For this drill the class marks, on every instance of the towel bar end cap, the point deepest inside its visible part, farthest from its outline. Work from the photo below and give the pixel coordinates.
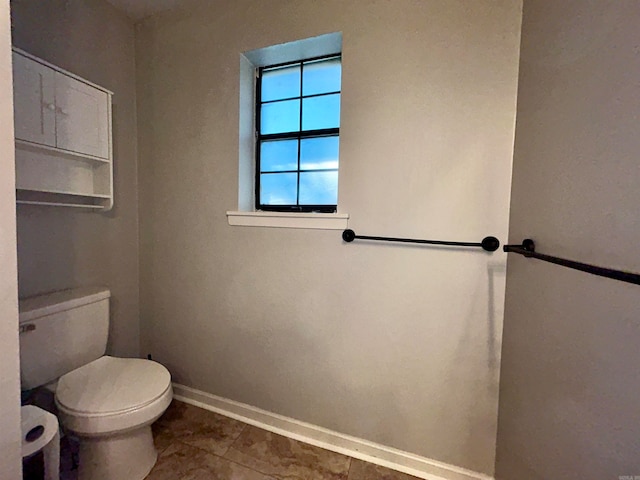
(490, 244)
(348, 235)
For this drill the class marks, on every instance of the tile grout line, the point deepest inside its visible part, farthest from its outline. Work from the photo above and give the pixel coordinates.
(161, 450)
(223, 455)
(278, 476)
(245, 425)
(244, 428)
(349, 469)
(269, 476)
(224, 452)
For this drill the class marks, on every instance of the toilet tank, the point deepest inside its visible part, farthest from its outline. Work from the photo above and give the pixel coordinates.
(60, 332)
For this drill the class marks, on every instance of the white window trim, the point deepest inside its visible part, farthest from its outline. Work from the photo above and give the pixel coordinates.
(246, 215)
(317, 221)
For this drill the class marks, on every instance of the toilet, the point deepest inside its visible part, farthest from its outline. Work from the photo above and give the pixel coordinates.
(109, 403)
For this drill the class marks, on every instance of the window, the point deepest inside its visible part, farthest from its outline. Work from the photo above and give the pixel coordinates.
(279, 212)
(298, 131)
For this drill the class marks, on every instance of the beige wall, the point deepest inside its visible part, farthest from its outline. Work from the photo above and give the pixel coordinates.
(10, 445)
(395, 344)
(570, 379)
(63, 248)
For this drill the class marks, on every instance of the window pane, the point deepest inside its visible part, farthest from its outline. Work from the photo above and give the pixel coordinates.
(322, 76)
(278, 188)
(280, 83)
(321, 112)
(279, 117)
(319, 153)
(278, 155)
(319, 188)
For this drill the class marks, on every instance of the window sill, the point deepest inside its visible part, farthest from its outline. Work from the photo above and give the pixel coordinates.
(318, 221)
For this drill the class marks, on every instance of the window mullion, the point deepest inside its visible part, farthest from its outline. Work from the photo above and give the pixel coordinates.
(313, 95)
(326, 132)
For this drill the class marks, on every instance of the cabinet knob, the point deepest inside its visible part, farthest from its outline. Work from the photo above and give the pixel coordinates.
(50, 106)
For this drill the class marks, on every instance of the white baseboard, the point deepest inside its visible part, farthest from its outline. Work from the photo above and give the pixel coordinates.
(321, 437)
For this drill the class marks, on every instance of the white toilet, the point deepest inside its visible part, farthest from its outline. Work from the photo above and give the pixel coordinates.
(108, 403)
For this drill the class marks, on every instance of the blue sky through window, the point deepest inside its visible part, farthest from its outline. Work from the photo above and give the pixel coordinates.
(322, 76)
(299, 121)
(319, 153)
(280, 117)
(278, 155)
(281, 83)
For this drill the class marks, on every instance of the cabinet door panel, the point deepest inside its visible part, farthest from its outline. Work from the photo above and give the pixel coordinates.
(82, 120)
(34, 101)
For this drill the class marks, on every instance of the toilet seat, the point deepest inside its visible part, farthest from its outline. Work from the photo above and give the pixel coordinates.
(112, 395)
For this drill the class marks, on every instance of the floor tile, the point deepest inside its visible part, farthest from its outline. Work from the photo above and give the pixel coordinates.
(283, 458)
(183, 462)
(195, 444)
(367, 471)
(196, 427)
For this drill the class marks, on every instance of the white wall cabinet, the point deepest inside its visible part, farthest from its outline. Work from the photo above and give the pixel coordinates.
(63, 137)
(34, 101)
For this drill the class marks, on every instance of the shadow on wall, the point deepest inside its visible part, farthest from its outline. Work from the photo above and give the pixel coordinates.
(494, 334)
(481, 406)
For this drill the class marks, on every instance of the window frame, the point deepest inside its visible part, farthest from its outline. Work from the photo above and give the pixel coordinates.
(295, 135)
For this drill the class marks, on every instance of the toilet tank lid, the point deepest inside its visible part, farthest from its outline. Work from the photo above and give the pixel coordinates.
(38, 306)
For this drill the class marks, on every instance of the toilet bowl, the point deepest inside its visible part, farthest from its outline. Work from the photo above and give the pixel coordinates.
(109, 403)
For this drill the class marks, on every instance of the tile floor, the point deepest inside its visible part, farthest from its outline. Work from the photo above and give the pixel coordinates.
(195, 444)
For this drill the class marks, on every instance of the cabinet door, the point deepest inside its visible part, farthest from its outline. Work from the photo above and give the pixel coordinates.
(82, 117)
(34, 101)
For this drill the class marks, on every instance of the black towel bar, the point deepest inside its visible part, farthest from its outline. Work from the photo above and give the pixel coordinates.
(490, 244)
(528, 249)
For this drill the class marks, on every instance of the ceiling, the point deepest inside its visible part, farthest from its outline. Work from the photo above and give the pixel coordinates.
(139, 9)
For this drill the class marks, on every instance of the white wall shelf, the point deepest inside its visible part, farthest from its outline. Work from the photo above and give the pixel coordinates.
(63, 137)
(63, 199)
(80, 157)
(59, 204)
(63, 192)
